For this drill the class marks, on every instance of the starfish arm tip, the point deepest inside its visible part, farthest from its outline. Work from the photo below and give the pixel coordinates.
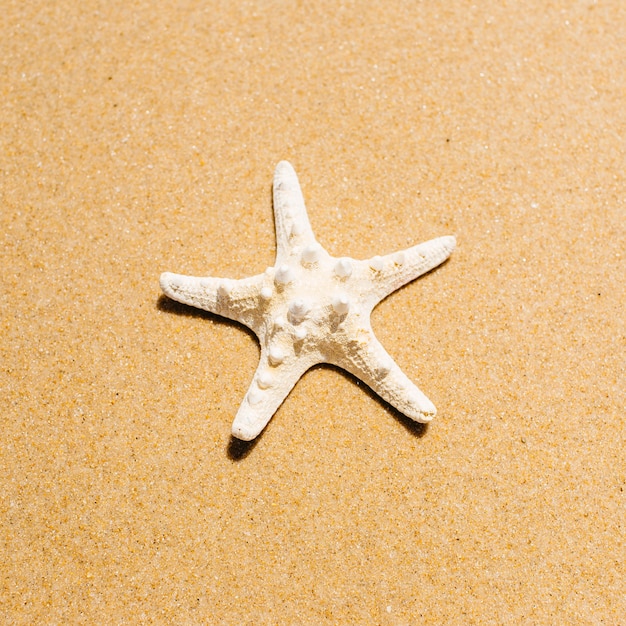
(185, 289)
(283, 167)
(435, 250)
(243, 432)
(250, 421)
(420, 410)
(166, 281)
(423, 416)
(421, 407)
(415, 405)
(449, 242)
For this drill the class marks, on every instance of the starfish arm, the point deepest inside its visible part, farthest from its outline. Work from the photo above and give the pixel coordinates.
(394, 270)
(290, 216)
(235, 299)
(370, 362)
(268, 390)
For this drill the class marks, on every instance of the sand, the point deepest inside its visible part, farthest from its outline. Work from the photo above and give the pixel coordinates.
(138, 138)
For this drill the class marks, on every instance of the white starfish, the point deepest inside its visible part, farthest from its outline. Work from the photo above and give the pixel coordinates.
(312, 308)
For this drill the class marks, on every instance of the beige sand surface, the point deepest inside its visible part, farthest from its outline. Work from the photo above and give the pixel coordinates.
(138, 137)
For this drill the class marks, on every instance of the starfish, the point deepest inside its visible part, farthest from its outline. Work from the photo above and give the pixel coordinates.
(311, 308)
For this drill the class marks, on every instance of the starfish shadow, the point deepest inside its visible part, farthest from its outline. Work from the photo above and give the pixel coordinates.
(417, 429)
(167, 305)
(238, 450)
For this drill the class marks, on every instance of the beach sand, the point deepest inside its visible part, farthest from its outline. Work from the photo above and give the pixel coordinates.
(138, 138)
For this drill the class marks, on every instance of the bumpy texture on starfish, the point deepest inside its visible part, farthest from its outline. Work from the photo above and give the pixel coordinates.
(312, 308)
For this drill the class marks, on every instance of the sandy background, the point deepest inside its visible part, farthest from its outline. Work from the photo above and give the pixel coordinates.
(139, 137)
